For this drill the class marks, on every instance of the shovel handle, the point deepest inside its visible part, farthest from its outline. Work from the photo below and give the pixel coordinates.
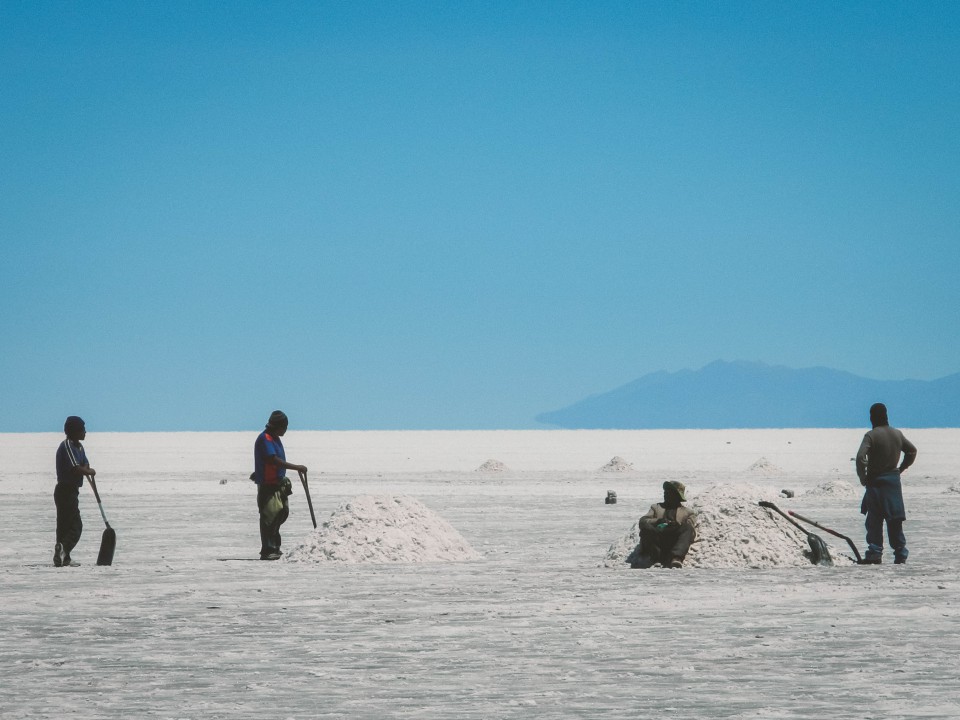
(770, 506)
(832, 532)
(93, 485)
(306, 491)
(798, 516)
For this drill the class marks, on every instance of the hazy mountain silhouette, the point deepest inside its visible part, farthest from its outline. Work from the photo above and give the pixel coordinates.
(755, 395)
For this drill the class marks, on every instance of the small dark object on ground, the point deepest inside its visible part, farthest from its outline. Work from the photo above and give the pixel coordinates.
(611, 497)
(787, 493)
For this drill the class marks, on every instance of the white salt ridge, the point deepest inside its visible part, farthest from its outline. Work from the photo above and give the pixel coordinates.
(492, 466)
(383, 529)
(617, 464)
(764, 467)
(834, 488)
(733, 531)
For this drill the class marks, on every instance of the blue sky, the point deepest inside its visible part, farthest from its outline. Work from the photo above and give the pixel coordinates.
(458, 215)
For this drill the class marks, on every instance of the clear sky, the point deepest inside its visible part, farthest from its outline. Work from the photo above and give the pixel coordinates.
(461, 214)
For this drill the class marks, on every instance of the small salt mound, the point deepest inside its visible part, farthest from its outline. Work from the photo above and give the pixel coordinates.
(492, 466)
(763, 467)
(383, 529)
(617, 464)
(834, 488)
(732, 531)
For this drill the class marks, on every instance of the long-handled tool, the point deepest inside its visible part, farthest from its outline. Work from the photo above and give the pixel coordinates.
(832, 532)
(819, 554)
(306, 491)
(108, 542)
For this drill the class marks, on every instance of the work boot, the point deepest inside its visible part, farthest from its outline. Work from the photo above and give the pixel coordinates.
(67, 562)
(676, 563)
(57, 555)
(869, 559)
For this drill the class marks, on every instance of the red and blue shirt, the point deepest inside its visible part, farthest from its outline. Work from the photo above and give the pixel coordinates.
(266, 473)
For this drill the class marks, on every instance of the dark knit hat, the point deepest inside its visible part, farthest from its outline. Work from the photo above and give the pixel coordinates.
(878, 414)
(73, 426)
(278, 419)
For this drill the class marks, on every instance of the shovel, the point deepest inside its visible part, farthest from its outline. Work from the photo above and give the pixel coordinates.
(819, 555)
(832, 532)
(306, 491)
(108, 542)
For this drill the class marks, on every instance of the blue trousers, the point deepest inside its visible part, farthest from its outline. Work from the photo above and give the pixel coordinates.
(898, 541)
(883, 500)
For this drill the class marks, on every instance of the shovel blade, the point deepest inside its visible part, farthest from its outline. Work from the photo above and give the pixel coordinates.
(819, 554)
(108, 543)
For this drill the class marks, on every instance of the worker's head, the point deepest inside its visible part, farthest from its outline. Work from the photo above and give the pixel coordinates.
(74, 428)
(878, 415)
(277, 424)
(674, 492)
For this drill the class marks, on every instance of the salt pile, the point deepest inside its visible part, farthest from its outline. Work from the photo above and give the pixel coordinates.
(763, 467)
(492, 466)
(732, 531)
(383, 529)
(617, 464)
(834, 488)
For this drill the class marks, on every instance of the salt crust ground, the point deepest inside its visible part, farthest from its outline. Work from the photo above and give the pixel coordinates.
(535, 629)
(377, 529)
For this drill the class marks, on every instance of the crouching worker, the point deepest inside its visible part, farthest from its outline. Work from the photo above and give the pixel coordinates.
(666, 531)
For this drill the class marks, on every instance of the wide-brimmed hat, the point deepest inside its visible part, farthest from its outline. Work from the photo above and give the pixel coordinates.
(678, 486)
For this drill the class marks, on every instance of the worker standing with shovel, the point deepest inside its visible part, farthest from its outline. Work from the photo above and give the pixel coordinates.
(72, 468)
(270, 469)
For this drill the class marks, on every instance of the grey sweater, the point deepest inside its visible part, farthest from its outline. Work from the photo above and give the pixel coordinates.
(880, 450)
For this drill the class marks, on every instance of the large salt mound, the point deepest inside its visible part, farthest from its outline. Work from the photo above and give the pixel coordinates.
(617, 464)
(834, 488)
(492, 466)
(383, 529)
(732, 531)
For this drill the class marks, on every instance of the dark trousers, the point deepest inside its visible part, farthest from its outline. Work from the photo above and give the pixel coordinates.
(69, 525)
(270, 532)
(662, 547)
(898, 541)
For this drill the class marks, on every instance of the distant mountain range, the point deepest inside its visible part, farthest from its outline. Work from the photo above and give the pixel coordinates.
(755, 395)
